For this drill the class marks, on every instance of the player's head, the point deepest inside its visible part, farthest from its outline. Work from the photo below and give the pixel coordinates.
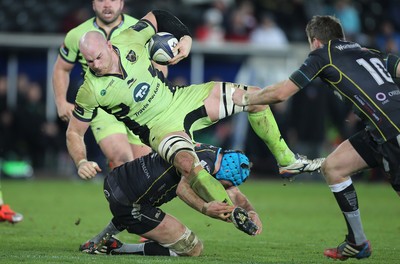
(107, 11)
(97, 52)
(235, 167)
(324, 28)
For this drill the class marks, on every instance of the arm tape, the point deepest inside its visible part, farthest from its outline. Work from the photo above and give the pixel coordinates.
(167, 22)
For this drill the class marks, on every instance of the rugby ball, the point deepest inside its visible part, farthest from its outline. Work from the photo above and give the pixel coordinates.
(160, 47)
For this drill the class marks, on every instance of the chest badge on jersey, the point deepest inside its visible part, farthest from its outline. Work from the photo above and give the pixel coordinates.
(141, 91)
(131, 56)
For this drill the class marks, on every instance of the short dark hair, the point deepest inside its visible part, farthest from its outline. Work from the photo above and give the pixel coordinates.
(324, 28)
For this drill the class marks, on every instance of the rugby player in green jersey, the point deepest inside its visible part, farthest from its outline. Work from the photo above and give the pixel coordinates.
(118, 143)
(121, 80)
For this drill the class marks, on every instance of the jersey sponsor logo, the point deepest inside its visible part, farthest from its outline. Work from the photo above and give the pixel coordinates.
(144, 107)
(205, 165)
(158, 213)
(380, 97)
(106, 194)
(103, 92)
(136, 212)
(79, 110)
(139, 26)
(347, 46)
(64, 50)
(144, 167)
(131, 56)
(141, 91)
(394, 92)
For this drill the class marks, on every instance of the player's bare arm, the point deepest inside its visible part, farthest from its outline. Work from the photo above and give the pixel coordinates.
(212, 209)
(61, 72)
(77, 149)
(272, 94)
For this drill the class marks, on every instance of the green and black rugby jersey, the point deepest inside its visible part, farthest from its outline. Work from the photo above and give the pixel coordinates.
(152, 180)
(69, 51)
(361, 77)
(127, 95)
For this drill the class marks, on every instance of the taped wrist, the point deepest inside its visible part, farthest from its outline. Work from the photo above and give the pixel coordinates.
(209, 188)
(167, 22)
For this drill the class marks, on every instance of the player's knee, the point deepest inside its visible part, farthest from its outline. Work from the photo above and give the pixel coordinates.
(140, 150)
(187, 244)
(184, 161)
(329, 171)
(171, 146)
(120, 158)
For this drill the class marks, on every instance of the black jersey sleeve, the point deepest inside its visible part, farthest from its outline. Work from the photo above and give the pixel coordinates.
(169, 23)
(307, 72)
(392, 61)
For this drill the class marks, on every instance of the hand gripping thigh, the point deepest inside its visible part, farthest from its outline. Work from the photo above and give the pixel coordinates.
(226, 105)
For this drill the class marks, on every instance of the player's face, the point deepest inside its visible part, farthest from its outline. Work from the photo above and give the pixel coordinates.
(226, 183)
(99, 59)
(108, 11)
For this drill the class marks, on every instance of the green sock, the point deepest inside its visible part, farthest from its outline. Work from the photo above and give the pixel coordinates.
(265, 126)
(209, 188)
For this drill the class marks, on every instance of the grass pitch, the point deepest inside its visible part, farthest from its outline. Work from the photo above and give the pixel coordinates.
(300, 220)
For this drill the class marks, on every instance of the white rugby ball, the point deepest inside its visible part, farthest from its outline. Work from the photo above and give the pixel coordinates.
(160, 47)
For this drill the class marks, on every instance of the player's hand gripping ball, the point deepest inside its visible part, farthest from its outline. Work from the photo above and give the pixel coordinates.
(161, 47)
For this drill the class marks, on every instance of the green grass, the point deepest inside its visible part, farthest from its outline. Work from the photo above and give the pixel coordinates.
(300, 220)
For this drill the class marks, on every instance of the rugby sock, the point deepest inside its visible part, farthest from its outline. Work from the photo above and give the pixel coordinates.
(266, 128)
(150, 248)
(209, 188)
(110, 229)
(346, 197)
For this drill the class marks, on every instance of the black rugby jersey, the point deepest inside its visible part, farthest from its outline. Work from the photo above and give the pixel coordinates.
(361, 77)
(150, 179)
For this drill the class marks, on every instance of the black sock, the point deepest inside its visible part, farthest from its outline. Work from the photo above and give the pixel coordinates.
(154, 249)
(348, 203)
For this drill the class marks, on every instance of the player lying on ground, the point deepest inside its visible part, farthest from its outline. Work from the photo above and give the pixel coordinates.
(136, 189)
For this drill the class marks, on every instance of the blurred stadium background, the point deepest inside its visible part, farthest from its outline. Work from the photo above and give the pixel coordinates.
(255, 42)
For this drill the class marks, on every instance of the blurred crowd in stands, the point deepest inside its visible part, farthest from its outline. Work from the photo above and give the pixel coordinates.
(311, 123)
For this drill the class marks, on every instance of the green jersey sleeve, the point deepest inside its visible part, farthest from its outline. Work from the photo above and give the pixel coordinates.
(140, 33)
(85, 102)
